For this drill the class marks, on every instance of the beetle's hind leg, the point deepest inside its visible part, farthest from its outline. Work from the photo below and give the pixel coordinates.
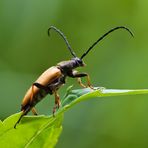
(24, 112)
(34, 111)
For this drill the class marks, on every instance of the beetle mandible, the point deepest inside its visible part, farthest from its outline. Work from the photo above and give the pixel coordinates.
(54, 77)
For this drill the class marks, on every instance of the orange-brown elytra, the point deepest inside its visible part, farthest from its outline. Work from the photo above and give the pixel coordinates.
(54, 77)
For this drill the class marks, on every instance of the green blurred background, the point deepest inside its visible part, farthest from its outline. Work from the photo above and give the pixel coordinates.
(119, 61)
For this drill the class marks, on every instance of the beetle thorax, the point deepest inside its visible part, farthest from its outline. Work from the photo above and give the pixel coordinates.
(70, 64)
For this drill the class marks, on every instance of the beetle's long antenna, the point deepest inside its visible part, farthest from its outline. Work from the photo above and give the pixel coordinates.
(64, 37)
(119, 27)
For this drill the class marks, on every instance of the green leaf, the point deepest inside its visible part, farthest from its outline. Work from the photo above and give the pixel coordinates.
(43, 131)
(37, 131)
(73, 97)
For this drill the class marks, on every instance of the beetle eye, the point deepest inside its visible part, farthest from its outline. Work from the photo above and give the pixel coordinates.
(78, 61)
(81, 63)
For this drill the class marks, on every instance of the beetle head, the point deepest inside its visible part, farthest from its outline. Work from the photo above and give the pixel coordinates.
(79, 62)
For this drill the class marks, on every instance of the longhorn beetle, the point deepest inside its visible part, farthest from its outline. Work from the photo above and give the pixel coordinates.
(54, 77)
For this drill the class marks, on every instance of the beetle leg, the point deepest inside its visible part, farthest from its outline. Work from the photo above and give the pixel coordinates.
(80, 83)
(57, 98)
(34, 111)
(75, 74)
(24, 112)
(57, 102)
(19, 120)
(45, 88)
(88, 82)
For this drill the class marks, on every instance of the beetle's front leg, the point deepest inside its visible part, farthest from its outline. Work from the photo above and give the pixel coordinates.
(75, 74)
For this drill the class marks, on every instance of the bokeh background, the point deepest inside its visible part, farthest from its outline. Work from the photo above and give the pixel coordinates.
(119, 61)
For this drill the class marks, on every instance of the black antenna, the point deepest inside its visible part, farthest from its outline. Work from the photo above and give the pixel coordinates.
(119, 27)
(64, 37)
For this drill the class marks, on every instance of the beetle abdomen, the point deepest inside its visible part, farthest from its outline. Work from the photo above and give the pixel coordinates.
(45, 79)
(31, 103)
